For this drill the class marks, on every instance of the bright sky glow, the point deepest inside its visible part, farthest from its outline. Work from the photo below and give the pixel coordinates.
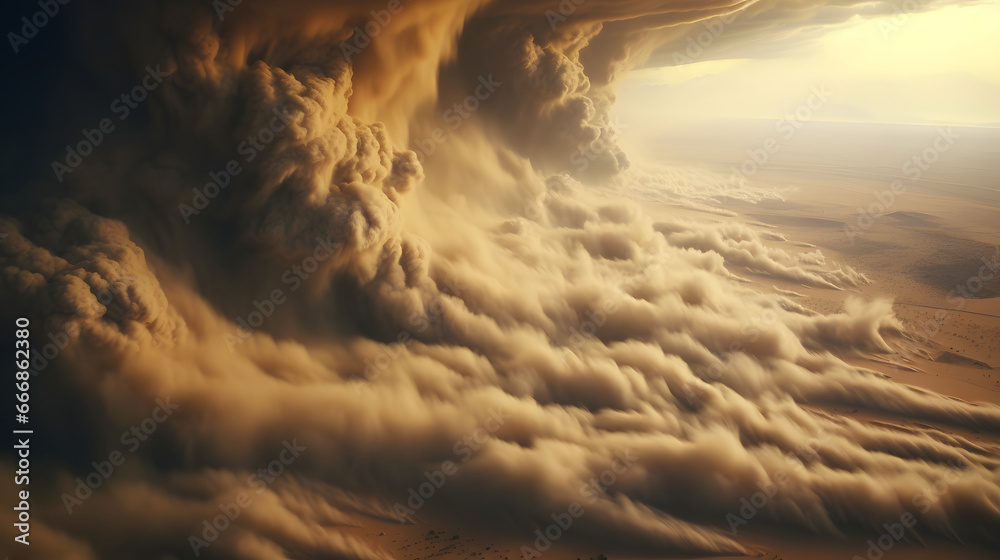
(936, 67)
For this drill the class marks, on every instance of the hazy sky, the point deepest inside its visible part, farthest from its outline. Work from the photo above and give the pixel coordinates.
(936, 67)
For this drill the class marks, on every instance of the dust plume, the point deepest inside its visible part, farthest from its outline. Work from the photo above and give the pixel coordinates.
(373, 303)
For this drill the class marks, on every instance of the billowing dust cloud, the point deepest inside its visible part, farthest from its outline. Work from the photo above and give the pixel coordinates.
(409, 260)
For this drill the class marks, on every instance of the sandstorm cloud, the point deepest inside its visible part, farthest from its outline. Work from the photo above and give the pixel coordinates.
(268, 249)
